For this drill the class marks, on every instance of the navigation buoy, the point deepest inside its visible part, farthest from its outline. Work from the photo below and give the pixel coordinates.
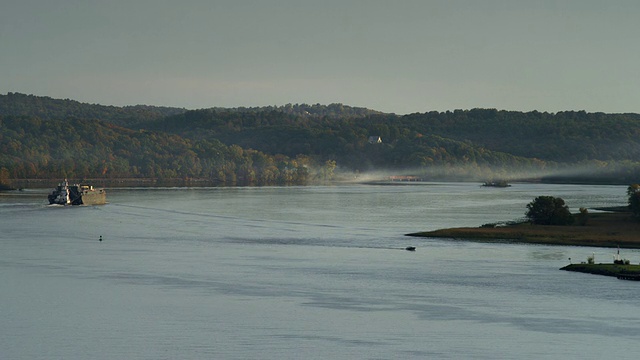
(100, 237)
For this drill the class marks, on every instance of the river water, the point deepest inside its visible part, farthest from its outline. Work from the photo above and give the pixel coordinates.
(303, 273)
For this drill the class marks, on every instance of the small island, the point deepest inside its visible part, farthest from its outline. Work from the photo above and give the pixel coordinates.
(549, 221)
(621, 271)
(620, 268)
(606, 229)
(496, 183)
(610, 230)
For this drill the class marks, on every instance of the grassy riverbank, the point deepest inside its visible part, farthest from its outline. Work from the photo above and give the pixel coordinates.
(605, 269)
(609, 229)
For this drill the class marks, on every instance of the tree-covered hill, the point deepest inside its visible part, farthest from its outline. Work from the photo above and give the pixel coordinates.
(506, 140)
(335, 110)
(46, 108)
(31, 148)
(345, 140)
(237, 145)
(569, 136)
(565, 137)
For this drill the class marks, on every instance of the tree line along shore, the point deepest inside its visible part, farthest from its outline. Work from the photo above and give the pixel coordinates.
(299, 144)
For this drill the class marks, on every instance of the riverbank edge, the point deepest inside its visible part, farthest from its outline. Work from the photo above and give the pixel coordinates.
(616, 270)
(606, 229)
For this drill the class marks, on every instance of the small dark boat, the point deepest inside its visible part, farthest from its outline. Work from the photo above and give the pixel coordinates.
(410, 248)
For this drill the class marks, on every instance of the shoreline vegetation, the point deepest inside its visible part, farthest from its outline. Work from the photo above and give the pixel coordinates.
(114, 182)
(12, 184)
(612, 228)
(621, 271)
(301, 144)
(16, 184)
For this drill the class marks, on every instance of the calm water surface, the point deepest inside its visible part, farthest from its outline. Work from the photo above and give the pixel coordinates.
(302, 273)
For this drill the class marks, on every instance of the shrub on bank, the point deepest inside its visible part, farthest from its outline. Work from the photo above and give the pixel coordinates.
(549, 210)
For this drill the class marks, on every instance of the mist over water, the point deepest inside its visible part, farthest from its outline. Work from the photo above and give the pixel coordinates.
(594, 172)
(302, 272)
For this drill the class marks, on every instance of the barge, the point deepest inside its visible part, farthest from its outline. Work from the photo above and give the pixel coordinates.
(76, 194)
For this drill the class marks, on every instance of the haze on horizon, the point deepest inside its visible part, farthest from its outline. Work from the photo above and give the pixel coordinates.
(401, 57)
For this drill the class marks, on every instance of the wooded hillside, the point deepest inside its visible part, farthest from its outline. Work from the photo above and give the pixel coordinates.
(42, 137)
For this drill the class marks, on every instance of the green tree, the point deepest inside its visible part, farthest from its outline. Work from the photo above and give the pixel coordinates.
(549, 210)
(328, 169)
(583, 216)
(4, 179)
(634, 200)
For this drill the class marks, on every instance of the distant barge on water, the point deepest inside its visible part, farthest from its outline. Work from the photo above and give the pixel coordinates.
(76, 194)
(499, 183)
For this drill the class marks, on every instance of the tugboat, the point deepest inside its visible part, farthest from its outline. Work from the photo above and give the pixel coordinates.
(76, 194)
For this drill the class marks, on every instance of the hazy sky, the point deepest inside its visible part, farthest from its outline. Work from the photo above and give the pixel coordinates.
(393, 56)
